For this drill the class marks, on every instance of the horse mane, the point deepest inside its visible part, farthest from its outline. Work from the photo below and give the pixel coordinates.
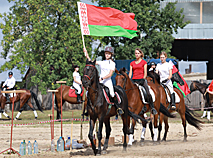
(154, 75)
(123, 72)
(204, 84)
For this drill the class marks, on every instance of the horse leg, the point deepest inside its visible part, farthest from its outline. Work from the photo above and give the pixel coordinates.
(100, 135)
(155, 128)
(125, 129)
(184, 126)
(208, 115)
(108, 131)
(143, 132)
(160, 126)
(166, 128)
(90, 135)
(34, 111)
(4, 113)
(131, 132)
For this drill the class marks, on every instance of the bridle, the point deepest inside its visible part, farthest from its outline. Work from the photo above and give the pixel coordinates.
(125, 79)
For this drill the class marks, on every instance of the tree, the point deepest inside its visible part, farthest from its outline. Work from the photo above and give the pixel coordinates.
(44, 36)
(154, 24)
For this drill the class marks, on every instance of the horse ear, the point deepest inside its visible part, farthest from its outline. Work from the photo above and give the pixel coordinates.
(116, 71)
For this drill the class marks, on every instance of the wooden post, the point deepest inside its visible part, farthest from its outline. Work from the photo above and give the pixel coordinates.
(61, 82)
(71, 132)
(11, 134)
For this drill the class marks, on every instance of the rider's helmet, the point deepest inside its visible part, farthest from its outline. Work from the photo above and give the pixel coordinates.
(152, 63)
(10, 73)
(109, 49)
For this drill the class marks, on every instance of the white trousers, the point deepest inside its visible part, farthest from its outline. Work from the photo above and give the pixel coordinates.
(77, 86)
(170, 86)
(108, 83)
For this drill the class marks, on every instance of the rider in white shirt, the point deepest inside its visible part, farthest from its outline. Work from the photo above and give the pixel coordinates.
(165, 71)
(77, 82)
(9, 84)
(107, 68)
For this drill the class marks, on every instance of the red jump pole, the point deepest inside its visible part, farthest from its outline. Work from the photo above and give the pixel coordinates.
(61, 82)
(52, 123)
(11, 134)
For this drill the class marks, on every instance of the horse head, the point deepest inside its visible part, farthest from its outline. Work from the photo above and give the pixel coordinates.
(90, 74)
(154, 76)
(196, 85)
(121, 77)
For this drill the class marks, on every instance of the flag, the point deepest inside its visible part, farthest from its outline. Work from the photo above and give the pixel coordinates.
(183, 87)
(106, 21)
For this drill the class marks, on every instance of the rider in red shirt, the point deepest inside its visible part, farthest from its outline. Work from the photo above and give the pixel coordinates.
(139, 69)
(210, 88)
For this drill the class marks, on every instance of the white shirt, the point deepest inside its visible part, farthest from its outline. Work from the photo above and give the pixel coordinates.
(106, 66)
(163, 69)
(77, 77)
(10, 82)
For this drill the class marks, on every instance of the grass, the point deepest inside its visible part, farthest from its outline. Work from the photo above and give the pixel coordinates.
(28, 117)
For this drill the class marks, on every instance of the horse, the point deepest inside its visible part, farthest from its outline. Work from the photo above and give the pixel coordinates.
(185, 113)
(136, 104)
(65, 97)
(98, 107)
(201, 87)
(23, 98)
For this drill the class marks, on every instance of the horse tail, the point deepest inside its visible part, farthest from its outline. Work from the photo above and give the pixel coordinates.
(191, 120)
(136, 117)
(164, 111)
(36, 100)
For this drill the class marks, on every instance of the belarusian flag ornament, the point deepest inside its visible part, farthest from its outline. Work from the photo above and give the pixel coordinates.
(106, 21)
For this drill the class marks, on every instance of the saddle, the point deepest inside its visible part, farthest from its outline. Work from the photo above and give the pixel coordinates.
(73, 92)
(144, 95)
(168, 94)
(108, 97)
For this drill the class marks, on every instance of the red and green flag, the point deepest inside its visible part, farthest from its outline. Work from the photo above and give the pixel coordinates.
(106, 21)
(183, 87)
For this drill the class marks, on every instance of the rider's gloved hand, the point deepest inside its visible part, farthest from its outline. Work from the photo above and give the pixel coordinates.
(164, 81)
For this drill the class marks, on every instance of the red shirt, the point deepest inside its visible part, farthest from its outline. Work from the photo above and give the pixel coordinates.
(138, 69)
(211, 86)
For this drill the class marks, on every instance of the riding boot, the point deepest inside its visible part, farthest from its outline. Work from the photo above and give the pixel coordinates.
(173, 106)
(151, 104)
(119, 110)
(78, 98)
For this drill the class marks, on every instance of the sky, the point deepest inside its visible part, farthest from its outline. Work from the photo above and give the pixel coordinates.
(4, 7)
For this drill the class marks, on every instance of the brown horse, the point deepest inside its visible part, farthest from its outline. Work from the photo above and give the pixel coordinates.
(23, 98)
(185, 113)
(201, 87)
(98, 108)
(65, 97)
(136, 104)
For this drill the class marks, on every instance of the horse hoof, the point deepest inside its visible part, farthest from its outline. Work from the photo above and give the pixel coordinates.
(104, 152)
(184, 140)
(155, 143)
(98, 153)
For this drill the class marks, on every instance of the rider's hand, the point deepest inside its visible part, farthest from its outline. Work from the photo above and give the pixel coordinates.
(164, 81)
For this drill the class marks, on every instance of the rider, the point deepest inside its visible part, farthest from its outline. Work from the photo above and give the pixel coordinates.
(77, 82)
(9, 84)
(153, 66)
(139, 69)
(165, 71)
(107, 68)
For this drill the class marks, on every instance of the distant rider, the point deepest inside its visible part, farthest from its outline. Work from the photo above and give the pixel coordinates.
(77, 82)
(9, 84)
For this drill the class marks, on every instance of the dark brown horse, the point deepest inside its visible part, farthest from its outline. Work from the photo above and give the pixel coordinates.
(201, 87)
(136, 104)
(185, 113)
(23, 98)
(65, 97)
(98, 108)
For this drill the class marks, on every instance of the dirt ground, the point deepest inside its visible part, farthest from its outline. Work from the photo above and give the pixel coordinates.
(199, 143)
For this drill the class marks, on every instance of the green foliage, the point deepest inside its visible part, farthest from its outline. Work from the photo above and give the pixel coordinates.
(43, 35)
(154, 24)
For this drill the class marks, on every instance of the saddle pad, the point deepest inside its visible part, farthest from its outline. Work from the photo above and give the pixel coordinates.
(72, 93)
(177, 98)
(151, 92)
(108, 100)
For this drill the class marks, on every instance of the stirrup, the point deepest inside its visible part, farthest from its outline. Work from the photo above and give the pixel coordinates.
(120, 111)
(154, 111)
